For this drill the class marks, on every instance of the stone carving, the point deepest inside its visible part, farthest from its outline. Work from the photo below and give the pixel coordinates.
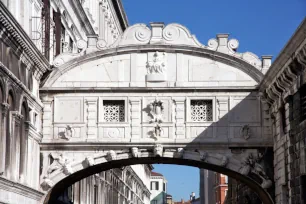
(47, 184)
(158, 150)
(158, 131)
(203, 155)
(60, 162)
(135, 152)
(156, 110)
(245, 132)
(251, 164)
(224, 161)
(109, 19)
(65, 57)
(111, 155)
(68, 133)
(143, 34)
(157, 68)
(101, 44)
(212, 44)
(89, 161)
(180, 153)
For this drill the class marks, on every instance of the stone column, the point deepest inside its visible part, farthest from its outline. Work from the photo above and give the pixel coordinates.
(24, 153)
(179, 117)
(15, 145)
(135, 119)
(5, 107)
(91, 119)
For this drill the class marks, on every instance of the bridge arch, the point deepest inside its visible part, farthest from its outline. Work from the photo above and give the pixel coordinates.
(241, 165)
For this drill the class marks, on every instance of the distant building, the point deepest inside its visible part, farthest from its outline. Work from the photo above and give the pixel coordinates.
(221, 188)
(158, 188)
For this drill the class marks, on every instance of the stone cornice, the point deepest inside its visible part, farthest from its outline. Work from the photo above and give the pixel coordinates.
(283, 72)
(85, 22)
(20, 189)
(121, 15)
(15, 31)
(288, 80)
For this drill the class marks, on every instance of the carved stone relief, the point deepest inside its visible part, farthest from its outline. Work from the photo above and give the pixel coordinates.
(135, 152)
(111, 155)
(251, 164)
(59, 162)
(157, 69)
(68, 133)
(156, 111)
(158, 150)
(245, 132)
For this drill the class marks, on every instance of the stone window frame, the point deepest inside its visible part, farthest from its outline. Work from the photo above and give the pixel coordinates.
(188, 108)
(109, 98)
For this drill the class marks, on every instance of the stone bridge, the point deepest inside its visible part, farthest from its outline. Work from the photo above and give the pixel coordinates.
(156, 95)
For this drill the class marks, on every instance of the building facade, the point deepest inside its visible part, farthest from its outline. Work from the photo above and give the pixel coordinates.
(158, 188)
(116, 186)
(221, 187)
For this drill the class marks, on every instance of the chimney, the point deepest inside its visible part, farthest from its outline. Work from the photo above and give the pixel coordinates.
(222, 42)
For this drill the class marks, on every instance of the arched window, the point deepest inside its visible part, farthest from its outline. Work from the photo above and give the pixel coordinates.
(10, 101)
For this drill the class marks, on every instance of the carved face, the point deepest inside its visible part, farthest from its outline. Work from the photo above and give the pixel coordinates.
(158, 150)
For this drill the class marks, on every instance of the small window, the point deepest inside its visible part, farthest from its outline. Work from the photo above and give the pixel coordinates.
(114, 110)
(164, 187)
(154, 185)
(201, 110)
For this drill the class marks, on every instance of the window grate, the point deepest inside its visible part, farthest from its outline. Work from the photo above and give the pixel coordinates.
(201, 110)
(113, 111)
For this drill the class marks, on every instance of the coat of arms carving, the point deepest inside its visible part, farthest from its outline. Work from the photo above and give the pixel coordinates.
(157, 68)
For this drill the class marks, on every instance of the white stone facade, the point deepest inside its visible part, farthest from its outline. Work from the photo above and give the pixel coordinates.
(95, 93)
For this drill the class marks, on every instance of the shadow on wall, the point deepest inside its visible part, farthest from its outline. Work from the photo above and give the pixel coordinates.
(244, 126)
(160, 198)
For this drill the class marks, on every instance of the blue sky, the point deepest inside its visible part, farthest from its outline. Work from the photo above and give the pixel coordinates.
(261, 26)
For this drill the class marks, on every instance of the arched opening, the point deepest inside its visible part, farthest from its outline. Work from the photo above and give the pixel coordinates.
(11, 104)
(63, 184)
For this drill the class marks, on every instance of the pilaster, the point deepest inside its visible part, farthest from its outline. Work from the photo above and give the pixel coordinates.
(47, 119)
(91, 118)
(5, 108)
(180, 117)
(15, 145)
(135, 119)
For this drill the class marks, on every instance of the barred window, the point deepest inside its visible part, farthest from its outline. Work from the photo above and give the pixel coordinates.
(201, 110)
(114, 110)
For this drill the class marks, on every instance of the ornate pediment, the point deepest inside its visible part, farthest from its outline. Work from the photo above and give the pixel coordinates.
(175, 35)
